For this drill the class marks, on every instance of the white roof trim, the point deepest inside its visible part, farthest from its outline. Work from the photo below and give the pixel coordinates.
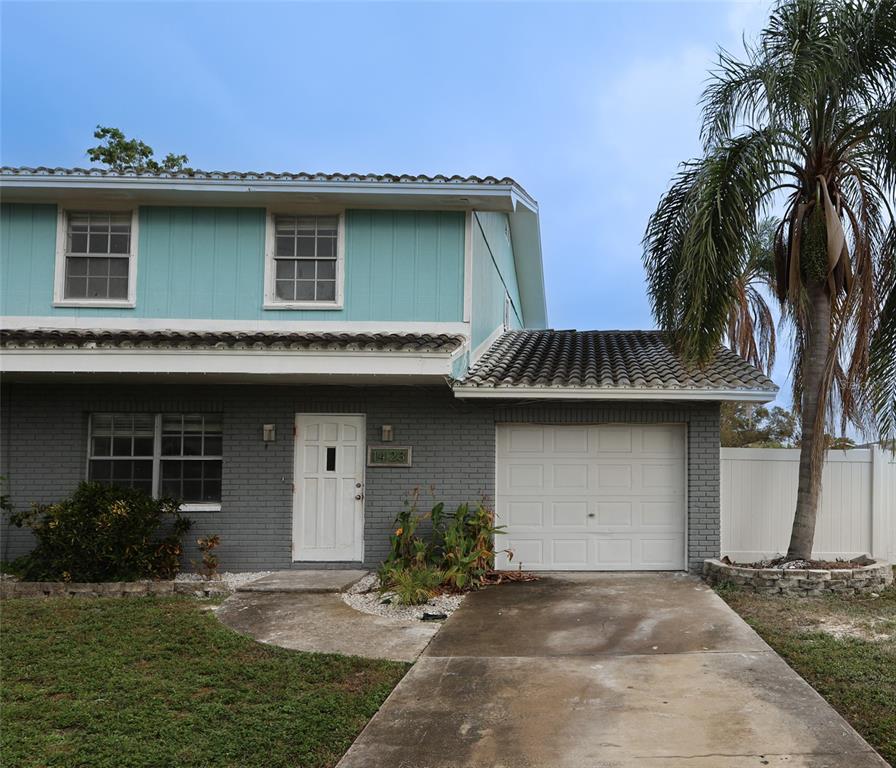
(252, 362)
(615, 393)
(186, 325)
(513, 192)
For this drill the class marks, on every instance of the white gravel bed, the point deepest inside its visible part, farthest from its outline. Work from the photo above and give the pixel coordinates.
(233, 581)
(364, 596)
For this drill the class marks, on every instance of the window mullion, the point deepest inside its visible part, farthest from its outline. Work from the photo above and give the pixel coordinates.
(156, 455)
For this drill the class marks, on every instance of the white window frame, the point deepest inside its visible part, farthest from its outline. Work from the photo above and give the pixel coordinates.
(157, 458)
(59, 299)
(270, 294)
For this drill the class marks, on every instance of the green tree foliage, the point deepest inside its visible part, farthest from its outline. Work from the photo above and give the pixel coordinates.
(754, 426)
(123, 154)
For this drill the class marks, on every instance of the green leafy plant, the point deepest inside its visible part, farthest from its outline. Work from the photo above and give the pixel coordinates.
(459, 548)
(468, 550)
(103, 533)
(412, 586)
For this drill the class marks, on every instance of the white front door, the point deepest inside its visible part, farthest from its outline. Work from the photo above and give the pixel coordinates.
(591, 497)
(328, 500)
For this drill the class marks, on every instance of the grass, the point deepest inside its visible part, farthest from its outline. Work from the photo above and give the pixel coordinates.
(122, 683)
(845, 647)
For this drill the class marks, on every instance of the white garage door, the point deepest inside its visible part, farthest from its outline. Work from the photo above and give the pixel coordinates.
(607, 497)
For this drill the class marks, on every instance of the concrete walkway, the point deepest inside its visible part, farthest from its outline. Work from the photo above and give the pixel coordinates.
(600, 671)
(302, 610)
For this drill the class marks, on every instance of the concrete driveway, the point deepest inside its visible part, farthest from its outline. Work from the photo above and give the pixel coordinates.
(601, 670)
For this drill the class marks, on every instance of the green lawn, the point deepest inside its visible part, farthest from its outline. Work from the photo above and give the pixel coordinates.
(844, 647)
(159, 682)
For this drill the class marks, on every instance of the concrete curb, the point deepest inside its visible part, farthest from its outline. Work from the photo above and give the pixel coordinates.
(11, 589)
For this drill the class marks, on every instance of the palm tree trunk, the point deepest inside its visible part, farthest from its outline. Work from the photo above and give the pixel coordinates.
(818, 342)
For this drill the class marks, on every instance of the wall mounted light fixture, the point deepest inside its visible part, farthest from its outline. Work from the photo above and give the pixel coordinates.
(269, 433)
(386, 433)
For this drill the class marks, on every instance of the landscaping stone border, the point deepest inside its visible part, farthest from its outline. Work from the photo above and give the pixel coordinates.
(12, 588)
(801, 582)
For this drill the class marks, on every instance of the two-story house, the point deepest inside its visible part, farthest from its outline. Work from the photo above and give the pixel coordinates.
(292, 354)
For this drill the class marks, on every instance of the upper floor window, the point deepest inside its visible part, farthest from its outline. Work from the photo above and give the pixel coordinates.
(95, 258)
(304, 267)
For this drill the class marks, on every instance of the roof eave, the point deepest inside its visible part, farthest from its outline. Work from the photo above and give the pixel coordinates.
(507, 196)
(618, 393)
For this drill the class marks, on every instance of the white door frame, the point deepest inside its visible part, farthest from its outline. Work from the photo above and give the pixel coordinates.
(296, 495)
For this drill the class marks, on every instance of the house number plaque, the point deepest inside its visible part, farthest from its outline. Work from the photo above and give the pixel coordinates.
(388, 456)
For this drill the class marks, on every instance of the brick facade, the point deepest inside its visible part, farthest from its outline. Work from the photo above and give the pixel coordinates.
(44, 454)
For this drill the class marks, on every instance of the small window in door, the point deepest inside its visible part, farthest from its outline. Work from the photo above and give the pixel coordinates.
(331, 459)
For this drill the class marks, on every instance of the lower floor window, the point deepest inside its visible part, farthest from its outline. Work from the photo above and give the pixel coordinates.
(175, 455)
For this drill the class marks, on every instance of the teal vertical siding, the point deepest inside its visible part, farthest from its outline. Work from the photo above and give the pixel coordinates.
(404, 265)
(27, 259)
(208, 263)
(494, 276)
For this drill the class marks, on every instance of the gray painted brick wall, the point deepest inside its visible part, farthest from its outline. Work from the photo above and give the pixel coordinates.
(44, 445)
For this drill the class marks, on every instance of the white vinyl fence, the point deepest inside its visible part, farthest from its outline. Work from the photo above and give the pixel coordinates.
(858, 503)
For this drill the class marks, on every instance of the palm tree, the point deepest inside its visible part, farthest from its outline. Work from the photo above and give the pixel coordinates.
(805, 126)
(751, 326)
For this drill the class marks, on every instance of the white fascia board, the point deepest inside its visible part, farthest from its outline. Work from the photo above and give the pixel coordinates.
(268, 361)
(556, 393)
(139, 184)
(525, 232)
(117, 323)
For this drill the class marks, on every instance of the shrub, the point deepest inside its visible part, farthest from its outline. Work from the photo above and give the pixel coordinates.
(207, 545)
(459, 549)
(103, 533)
(412, 586)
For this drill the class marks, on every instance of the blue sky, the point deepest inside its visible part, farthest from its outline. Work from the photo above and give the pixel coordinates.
(590, 106)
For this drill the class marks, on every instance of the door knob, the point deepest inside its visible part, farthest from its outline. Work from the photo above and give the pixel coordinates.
(358, 497)
(357, 485)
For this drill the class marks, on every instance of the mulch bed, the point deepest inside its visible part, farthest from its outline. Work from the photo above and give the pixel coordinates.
(506, 577)
(785, 564)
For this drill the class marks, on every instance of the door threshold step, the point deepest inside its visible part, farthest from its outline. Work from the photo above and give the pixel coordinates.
(308, 581)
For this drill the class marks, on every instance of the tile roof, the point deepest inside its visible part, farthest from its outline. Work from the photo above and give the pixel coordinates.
(384, 178)
(612, 360)
(45, 338)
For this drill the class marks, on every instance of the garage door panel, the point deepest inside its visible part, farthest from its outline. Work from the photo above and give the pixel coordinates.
(565, 514)
(660, 440)
(667, 475)
(569, 553)
(572, 440)
(614, 552)
(570, 476)
(661, 553)
(614, 476)
(524, 514)
(614, 439)
(661, 514)
(529, 551)
(616, 514)
(525, 440)
(525, 476)
(608, 497)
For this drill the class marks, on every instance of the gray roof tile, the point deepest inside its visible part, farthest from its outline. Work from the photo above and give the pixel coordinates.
(128, 339)
(627, 360)
(384, 178)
